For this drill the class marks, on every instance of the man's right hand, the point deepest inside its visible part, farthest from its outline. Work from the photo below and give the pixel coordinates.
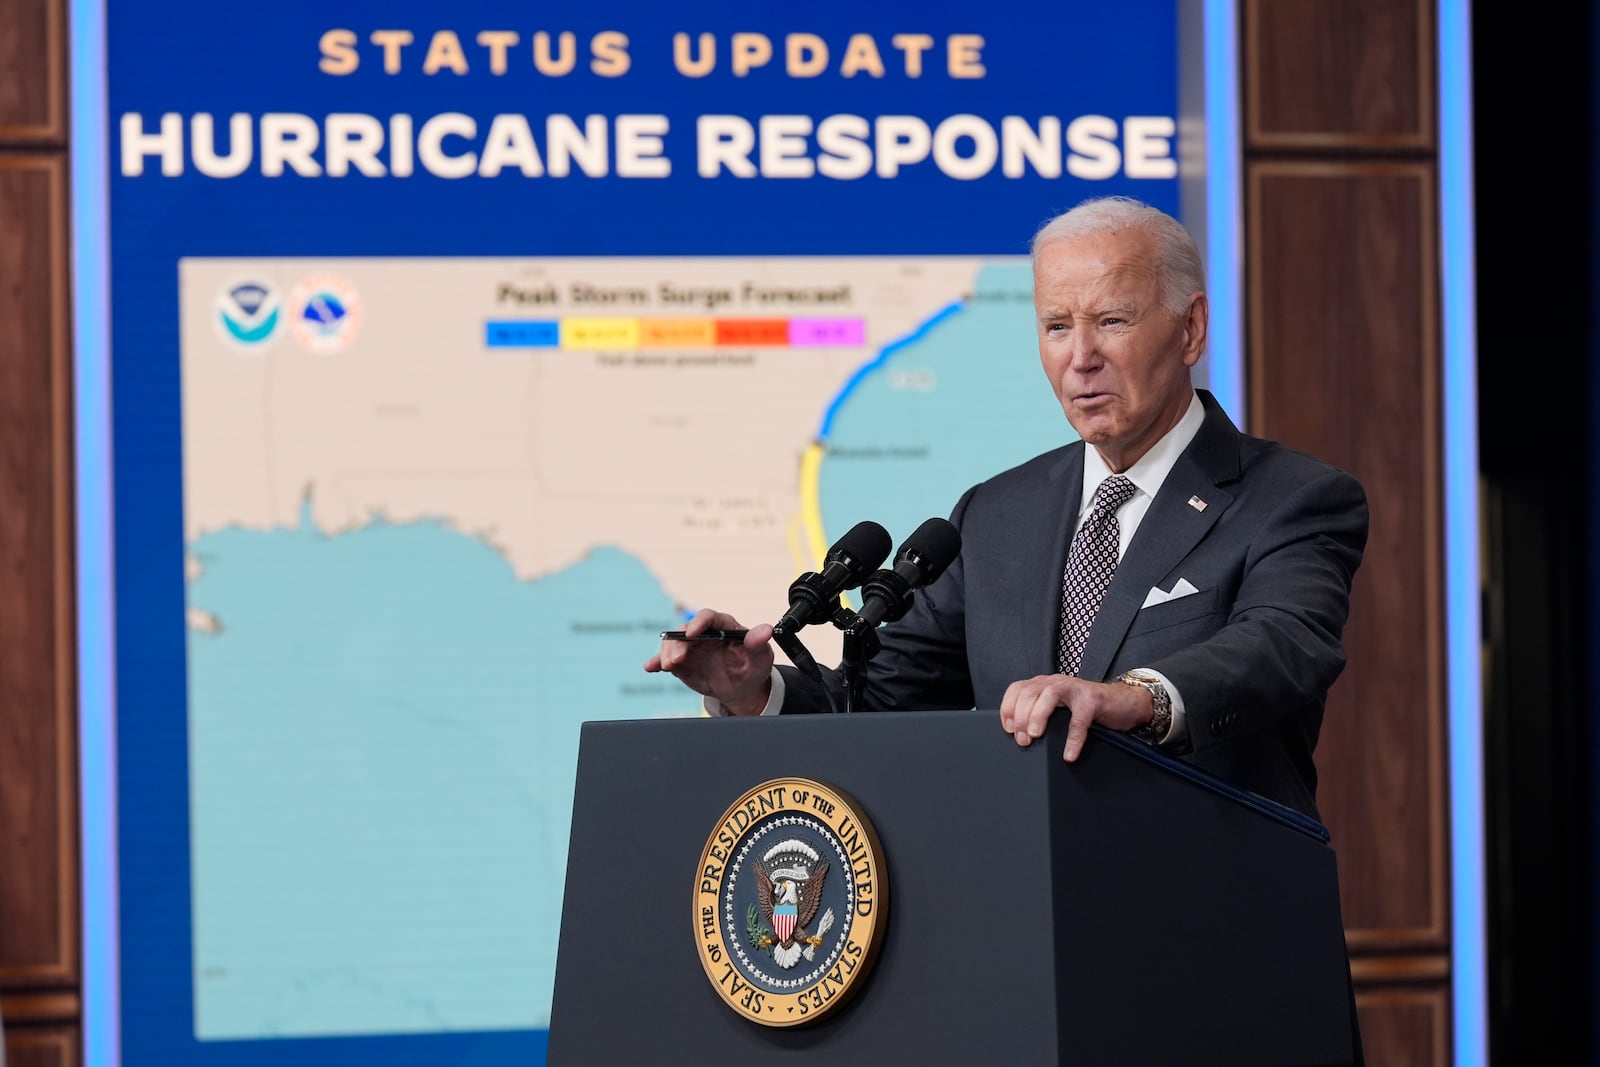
(739, 674)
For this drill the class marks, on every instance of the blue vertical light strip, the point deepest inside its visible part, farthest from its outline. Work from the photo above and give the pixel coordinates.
(1464, 626)
(1224, 207)
(92, 444)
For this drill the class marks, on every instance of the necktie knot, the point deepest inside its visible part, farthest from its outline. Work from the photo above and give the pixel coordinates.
(1114, 492)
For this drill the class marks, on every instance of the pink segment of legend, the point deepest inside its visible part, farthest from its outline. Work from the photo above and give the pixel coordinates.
(818, 332)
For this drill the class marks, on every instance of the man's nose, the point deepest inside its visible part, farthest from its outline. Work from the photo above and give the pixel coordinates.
(1083, 352)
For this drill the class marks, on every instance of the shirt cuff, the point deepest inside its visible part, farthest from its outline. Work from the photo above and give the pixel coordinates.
(715, 709)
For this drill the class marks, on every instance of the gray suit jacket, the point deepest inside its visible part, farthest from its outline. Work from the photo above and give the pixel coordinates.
(1273, 552)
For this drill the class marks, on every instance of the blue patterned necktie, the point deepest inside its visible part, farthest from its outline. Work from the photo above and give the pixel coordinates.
(1091, 562)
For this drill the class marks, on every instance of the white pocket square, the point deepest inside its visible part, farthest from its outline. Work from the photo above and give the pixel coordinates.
(1180, 588)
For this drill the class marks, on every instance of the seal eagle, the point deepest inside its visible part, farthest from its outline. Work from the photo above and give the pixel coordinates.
(789, 900)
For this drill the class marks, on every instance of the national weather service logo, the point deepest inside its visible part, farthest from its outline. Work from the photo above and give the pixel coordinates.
(324, 313)
(249, 313)
(789, 902)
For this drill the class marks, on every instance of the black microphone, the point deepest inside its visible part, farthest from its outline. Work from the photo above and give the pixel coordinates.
(887, 595)
(814, 596)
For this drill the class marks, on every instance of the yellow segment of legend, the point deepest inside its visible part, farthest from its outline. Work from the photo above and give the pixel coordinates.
(609, 334)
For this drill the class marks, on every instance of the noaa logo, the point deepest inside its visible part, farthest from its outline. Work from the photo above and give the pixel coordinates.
(790, 902)
(249, 313)
(324, 313)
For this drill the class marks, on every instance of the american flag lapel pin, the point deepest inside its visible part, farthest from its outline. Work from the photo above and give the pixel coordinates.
(1196, 503)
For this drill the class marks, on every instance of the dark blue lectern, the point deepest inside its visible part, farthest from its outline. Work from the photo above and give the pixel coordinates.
(1125, 909)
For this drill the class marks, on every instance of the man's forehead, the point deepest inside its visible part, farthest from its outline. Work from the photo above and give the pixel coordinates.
(1099, 286)
(1099, 255)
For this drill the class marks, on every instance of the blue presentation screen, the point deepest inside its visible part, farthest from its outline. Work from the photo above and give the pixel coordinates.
(459, 349)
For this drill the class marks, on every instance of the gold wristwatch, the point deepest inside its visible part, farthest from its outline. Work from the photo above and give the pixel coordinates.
(1156, 730)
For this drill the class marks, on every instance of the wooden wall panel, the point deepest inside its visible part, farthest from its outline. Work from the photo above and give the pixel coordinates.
(39, 883)
(1405, 1027)
(1350, 73)
(1343, 360)
(1344, 364)
(33, 88)
(38, 756)
(42, 1046)
(39, 901)
(41, 1028)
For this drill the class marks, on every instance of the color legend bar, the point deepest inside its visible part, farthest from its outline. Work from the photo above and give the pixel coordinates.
(627, 333)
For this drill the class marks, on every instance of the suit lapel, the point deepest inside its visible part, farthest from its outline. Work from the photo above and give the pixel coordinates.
(1168, 532)
(1042, 600)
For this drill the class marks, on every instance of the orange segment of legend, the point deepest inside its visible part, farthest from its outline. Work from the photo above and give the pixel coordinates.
(677, 333)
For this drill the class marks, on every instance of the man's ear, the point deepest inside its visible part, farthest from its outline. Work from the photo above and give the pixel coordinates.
(1196, 322)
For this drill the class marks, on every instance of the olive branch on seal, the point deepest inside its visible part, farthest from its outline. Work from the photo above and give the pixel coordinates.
(756, 932)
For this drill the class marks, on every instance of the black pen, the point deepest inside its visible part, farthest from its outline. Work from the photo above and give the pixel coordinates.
(709, 635)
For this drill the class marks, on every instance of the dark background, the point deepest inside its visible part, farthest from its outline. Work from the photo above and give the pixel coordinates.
(1535, 92)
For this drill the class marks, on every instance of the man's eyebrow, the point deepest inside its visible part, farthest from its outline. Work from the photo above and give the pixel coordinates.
(1122, 310)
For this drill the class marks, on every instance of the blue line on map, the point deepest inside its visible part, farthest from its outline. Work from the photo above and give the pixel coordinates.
(878, 361)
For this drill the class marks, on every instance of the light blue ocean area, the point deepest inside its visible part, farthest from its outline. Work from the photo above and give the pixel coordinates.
(383, 746)
(956, 401)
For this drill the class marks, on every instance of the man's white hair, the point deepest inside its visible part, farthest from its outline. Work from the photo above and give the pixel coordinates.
(1182, 270)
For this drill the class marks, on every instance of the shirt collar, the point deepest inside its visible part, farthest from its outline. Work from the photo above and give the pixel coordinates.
(1153, 467)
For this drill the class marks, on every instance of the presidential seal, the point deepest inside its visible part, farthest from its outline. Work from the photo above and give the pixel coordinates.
(789, 902)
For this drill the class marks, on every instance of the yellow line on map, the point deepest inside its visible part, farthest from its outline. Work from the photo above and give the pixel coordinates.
(811, 502)
(808, 523)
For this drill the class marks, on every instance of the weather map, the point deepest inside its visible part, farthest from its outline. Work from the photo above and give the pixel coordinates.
(436, 512)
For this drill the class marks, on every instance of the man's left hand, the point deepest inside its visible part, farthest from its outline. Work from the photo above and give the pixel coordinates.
(1027, 706)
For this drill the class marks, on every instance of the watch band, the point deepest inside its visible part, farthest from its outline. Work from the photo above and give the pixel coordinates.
(1155, 731)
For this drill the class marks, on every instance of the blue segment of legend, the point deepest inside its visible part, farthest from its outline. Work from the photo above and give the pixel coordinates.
(522, 333)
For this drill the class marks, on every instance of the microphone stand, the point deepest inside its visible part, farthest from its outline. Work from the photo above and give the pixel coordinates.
(860, 645)
(801, 657)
